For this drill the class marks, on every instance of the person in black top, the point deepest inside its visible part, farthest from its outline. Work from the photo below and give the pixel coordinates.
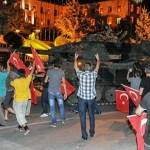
(145, 105)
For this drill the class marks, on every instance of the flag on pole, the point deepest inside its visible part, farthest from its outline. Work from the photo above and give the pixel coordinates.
(122, 101)
(69, 87)
(38, 63)
(139, 125)
(133, 94)
(33, 94)
(16, 61)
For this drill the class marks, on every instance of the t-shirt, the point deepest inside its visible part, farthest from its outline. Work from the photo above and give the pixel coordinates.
(145, 103)
(55, 76)
(87, 81)
(3, 76)
(22, 90)
(145, 83)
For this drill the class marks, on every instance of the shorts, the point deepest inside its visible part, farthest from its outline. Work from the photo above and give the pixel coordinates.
(8, 99)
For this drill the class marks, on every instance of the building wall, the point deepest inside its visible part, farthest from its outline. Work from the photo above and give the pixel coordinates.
(41, 13)
(114, 9)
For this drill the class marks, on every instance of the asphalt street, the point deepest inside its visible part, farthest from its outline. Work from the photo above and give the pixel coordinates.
(112, 133)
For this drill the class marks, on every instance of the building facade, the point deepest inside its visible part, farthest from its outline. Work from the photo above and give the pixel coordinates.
(42, 14)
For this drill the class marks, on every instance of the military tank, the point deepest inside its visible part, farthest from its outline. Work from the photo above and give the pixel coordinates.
(116, 59)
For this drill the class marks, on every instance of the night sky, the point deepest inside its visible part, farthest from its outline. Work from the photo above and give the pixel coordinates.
(64, 1)
(146, 3)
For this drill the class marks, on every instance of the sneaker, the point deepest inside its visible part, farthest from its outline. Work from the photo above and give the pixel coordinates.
(63, 122)
(53, 125)
(20, 128)
(27, 132)
(44, 115)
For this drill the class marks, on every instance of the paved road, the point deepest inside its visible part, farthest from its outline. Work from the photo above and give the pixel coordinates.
(112, 133)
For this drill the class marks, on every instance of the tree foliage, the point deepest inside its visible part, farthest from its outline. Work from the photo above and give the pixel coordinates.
(76, 21)
(143, 25)
(11, 17)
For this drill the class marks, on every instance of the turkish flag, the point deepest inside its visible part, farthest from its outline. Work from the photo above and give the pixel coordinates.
(69, 87)
(16, 61)
(39, 65)
(122, 101)
(139, 125)
(133, 94)
(33, 94)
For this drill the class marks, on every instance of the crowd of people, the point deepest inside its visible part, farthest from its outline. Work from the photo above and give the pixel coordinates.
(15, 94)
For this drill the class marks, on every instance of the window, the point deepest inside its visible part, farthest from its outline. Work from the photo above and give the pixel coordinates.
(27, 6)
(41, 10)
(118, 20)
(55, 12)
(131, 8)
(109, 9)
(48, 22)
(119, 9)
(101, 10)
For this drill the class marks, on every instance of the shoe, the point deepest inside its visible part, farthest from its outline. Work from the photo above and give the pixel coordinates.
(53, 125)
(2, 125)
(44, 115)
(20, 128)
(84, 138)
(27, 132)
(63, 122)
(92, 134)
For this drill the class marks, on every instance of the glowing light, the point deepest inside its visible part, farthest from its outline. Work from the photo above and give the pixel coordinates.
(137, 1)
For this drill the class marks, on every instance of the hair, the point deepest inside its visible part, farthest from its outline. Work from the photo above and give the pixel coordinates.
(21, 73)
(56, 62)
(88, 66)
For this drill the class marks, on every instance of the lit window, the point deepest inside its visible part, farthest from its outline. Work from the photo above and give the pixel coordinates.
(118, 20)
(132, 19)
(101, 10)
(132, 8)
(109, 9)
(109, 20)
(138, 10)
(27, 6)
(119, 9)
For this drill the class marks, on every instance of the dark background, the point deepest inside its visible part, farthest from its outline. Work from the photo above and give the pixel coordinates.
(146, 3)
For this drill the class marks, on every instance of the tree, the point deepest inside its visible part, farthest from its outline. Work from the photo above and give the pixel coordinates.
(11, 17)
(76, 21)
(143, 25)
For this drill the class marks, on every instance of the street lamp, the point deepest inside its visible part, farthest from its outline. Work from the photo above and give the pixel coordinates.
(5, 2)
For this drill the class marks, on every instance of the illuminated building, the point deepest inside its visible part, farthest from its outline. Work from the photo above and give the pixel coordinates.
(42, 14)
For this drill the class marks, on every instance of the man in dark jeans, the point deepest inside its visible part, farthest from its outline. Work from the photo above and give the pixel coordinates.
(86, 94)
(44, 101)
(55, 77)
(145, 105)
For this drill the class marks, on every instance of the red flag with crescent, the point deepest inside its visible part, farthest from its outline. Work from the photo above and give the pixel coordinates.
(133, 94)
(17, 62)
(122, 101)
(69, 87)
(139, 125)
(38, 62)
